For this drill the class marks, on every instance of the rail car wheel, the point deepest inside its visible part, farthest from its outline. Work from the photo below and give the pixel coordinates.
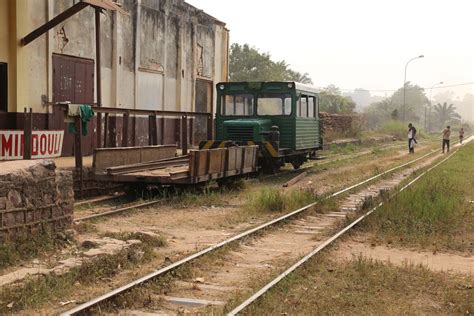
(230, 183)
(271, 165)
(298, 161)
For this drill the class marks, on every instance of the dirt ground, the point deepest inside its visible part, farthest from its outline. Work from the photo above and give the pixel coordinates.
(443, 262)
(192, 228)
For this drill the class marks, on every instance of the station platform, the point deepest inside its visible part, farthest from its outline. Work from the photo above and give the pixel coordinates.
(70, 162)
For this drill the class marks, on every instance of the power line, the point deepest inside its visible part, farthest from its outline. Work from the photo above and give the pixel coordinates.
(420, 88)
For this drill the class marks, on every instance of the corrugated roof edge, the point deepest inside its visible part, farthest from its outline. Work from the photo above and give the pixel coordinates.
(106, 4)
(206, 14)
(298, 85)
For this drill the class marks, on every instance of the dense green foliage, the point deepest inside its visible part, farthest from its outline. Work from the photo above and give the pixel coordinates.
(332, 101)
(249, 64)
(392, 107)
(444, 114)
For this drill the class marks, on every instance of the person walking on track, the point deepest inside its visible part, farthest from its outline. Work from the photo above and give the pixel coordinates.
(411, 138)
(446, 135)
(461, 135)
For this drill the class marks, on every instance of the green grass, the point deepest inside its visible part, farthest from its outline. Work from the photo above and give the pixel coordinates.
(395, 128)
(25, 247)
(435, 212)
(275, 200)
(366, 287)
(38, 291)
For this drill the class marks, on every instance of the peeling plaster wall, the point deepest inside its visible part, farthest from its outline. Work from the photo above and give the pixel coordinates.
(150, 58)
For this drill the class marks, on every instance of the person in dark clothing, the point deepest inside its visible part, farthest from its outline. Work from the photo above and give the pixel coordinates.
(446, 136)
(411, 138)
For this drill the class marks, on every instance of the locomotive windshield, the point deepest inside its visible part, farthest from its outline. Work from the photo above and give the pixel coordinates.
(274, 104)
(237, 105)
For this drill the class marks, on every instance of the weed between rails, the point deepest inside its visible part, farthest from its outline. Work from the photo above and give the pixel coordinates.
(274, 200)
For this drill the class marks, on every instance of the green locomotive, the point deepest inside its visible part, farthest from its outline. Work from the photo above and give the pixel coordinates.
(281, 117)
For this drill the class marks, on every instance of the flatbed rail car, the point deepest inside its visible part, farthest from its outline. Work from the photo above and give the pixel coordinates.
(282, 118)
(160, 165)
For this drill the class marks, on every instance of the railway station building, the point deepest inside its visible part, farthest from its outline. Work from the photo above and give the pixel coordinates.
(154, 55)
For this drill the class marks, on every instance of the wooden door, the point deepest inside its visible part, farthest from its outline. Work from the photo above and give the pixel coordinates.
(73, 81)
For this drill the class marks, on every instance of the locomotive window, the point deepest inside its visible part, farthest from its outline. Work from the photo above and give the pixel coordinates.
(237, 105)
(303, 112)
(311, 107)
(316, 114)
(274, 104)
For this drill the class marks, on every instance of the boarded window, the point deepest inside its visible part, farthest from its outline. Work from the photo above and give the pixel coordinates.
(3, 87)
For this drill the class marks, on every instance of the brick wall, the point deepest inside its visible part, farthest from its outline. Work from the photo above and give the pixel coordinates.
(34, 197)
(335, 123)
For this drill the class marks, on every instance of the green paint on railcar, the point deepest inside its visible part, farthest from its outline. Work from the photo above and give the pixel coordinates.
(245, 110)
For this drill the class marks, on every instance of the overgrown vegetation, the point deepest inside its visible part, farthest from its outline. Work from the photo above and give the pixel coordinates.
(275, 200)
(366, 287)
(25, 247)
(37, 291)
(435, 212)
(396, 129)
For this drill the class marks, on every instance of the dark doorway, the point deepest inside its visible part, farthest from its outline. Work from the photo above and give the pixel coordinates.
(73, 81)
(203, 103)
(3, 87)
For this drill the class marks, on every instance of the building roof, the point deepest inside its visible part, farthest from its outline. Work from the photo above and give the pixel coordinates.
(106, 4)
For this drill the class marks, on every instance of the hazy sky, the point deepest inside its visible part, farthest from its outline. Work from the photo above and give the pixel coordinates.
(359, 44)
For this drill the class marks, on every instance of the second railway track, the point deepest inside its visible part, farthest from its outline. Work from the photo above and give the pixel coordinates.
(303, 231)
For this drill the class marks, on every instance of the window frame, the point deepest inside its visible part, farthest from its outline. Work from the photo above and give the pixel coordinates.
(222, 104)
(288, 96)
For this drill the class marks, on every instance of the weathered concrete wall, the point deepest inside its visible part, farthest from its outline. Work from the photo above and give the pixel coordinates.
(150, 58)
(34, 197)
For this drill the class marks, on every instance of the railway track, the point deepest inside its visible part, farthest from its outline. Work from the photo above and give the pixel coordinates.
(255, 296)
(101, 212)
(304, 230)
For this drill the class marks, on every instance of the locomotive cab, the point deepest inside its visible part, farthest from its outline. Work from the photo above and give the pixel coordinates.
(280, 117)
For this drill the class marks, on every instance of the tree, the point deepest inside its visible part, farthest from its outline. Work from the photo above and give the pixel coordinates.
(249, 64)
(445, 114)
(332, 101)
(392, 107)
(415, 102)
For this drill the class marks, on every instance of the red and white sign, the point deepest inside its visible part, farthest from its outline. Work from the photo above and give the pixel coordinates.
(44, 144)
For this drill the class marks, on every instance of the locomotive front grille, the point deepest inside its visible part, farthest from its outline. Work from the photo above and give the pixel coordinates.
(239, 132)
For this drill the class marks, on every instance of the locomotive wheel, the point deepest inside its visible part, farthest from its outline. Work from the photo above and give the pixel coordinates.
(298, 161)
(296, 164)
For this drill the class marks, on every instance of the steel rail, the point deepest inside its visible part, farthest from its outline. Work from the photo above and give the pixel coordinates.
(221, 244)
(115, 211)
(98, 199)
(327, 242)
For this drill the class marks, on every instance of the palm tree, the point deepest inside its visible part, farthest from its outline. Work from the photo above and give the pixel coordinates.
(445, 113)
